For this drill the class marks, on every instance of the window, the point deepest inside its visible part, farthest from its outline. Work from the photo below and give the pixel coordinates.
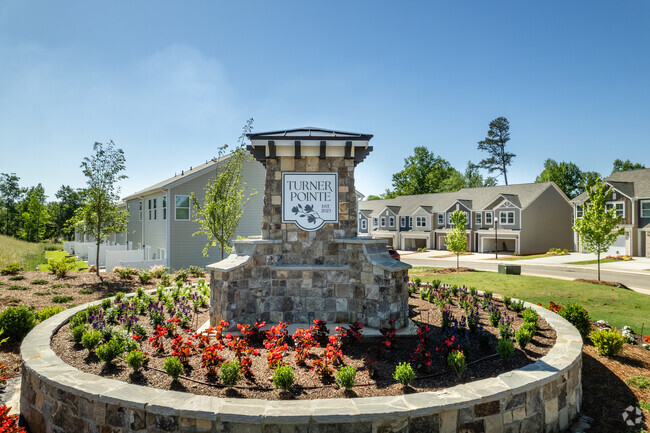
(645, 209)
(507, 218)
(383, 221)
(155, 211)
(364, 224)
(164, 207)
(402, 221)
(478, 218)
(140, 209)
(391, 221)
(149, 207)
(579, 211)
(488, 218)
(441, 219)
(375, 222)
(420, 221)
(449, 218)
(620, 208)
(182, 208)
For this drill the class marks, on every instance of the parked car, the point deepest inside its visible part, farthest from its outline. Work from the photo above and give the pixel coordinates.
(393, 253)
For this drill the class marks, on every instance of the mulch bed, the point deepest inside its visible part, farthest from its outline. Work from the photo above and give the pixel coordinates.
(443, 271)
(482, 363)
(603, 283)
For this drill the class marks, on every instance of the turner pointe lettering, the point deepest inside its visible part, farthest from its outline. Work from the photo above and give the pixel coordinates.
(309, 199)
(310, 190)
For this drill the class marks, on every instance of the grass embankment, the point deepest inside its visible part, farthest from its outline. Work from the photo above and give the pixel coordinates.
(27, 254)
(619, 307)
(58, 255)
(593, 262)
(532, 256)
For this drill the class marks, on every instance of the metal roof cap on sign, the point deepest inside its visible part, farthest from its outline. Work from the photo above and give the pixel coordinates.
(309, 133)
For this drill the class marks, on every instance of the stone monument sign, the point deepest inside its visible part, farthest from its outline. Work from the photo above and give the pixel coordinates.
(309, 263)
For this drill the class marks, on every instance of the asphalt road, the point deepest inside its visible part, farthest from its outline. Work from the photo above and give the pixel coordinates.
(630, 279)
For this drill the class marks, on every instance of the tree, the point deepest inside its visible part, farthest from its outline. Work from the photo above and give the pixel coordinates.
(566, 175)
(589, 179)
(470, 179)
(598, 227)
(10, 194)
(456, 240)
(627, 165)
(98, 215)
(224, 201)
(64, 209)
(35, 216)
(373, 197)
(495, 144)
(423, 173)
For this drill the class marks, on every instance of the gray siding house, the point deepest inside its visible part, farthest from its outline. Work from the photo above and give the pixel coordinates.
(161, 216)
(630, 197)
(525, 218)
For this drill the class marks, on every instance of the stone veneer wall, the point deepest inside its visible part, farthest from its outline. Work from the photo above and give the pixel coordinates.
(296, 276)
(542, 397)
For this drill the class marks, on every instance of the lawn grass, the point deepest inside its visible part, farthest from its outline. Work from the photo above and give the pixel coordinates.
(532, 256)
(27, 254)
(619, 307)
(58, 255)
(593, 262)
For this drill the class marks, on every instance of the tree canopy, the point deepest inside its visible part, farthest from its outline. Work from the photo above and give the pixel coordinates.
(627, 165)
(423, 173)
(98, 215)
(598, 227)
(566, 175)
(495, 145)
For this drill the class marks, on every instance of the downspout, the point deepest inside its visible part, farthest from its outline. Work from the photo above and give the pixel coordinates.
(168, 228)
(144, 218)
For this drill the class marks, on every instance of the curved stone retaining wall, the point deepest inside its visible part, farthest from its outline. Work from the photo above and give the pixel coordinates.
(542, 397)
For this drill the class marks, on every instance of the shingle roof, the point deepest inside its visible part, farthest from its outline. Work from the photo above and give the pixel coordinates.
(478, 198)
(632, 183)
(184, 175)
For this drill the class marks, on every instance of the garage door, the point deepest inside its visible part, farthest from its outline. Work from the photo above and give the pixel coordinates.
(618, 247)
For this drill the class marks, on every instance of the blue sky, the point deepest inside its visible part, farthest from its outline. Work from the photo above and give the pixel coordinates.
(170, 82)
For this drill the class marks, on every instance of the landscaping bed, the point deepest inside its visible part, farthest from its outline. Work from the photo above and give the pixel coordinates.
(375, 359)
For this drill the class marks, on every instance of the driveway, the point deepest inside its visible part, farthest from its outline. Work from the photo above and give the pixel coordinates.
(635, 274)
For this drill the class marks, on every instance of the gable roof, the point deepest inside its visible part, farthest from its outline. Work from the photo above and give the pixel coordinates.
(309, 133)
(476, 198)
(184, 176)
(632, 183)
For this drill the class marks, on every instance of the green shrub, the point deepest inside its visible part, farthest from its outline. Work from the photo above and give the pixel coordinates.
(77, 333)
(578, 317)
(16, 277)
(196, 271)
(523, 336)
(506, 348)
(61, 267)
(86, 291)
(173, 367)
(608, 342)
(47, 312)
(79, 319)
(125, 273)
(346, 377)
(230, 373)
(110, 350)
(506, 301)
(135, 359)
(283, 377)
(640, 382)
(158, 271)
(17, 322)
(106, 304)
(404, 373)
(11, 269)
(181, 275)
(517, 306)
(530, 327)
(39, 282)
(119, 296)
(144, 276)
(17, 287)
(435, 283)
(530, 316)
(456, 360)
(61, 286)
(473, 291)
(417, 281)
(62, 299)
(91, 338)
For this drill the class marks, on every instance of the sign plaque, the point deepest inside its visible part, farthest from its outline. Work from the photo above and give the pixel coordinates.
(310, 199)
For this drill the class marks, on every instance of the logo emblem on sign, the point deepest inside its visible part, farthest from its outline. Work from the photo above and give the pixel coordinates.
(310, 199)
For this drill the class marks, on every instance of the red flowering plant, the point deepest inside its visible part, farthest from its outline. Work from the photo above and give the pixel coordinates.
(211, 359)
(323, 368)
(320, 332)
(277, 338)
(422, 357)
(239, 346)
(554, 307)
(157, 340)
(252, 334)
(8, 423)
(333, 350)
(450, 344)
(388, 343)
(183, 349)
(171, 326)
(370, 365)
(352, 335)
(303, 342)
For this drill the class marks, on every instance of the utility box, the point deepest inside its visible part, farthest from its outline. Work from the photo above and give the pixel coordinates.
(509, 269)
